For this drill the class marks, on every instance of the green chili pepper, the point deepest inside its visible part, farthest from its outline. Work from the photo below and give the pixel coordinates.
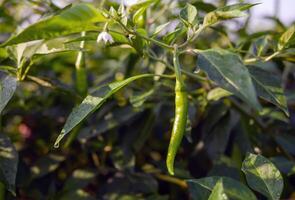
(181, 109)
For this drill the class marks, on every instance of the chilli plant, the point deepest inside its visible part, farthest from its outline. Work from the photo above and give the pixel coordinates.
(168, 102)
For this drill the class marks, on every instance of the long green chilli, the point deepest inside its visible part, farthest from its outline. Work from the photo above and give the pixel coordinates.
(181, 109)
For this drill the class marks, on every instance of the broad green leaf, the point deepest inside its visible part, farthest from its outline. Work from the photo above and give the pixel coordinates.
(56, 45)
(36, 48)
(75, 19)
(201, 189)
(141, 4)
(228, 71)
(262, 176)
(268, 87)
(287, 38)
(227, 12)
(8, 163)
(7, 88)
(189, 15)
(218, 192)
(217, 93)
(94, 101)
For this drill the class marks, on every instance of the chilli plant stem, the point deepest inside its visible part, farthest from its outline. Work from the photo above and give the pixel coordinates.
(81, 74)
(159, 43)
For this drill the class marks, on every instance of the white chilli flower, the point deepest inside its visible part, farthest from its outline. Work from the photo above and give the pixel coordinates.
(105, 37)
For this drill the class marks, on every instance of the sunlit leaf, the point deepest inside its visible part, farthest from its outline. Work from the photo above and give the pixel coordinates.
(189, 14)
(75, 19)
(287, 38)
(218, 192)
(217, 93)
(141, 4)
(262, 176)
(201, 189)
(138, 15)
(7, 88)
(227, 12)
(160, 28)
(228, 71)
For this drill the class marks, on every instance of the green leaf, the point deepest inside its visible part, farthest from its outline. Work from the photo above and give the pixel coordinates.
(138, 15)
(170, 37)
(262, 176)
(94, 101)
(3, 54)
(160, 28)
(217, 93)
(201, 189)
(92, 36)
(274, 114)
(75, 19)
(228, 71)
(218, 192)
(227, 12)
(7, 88)
(188, 15)
(141, 4)
(8, 163)
(203, 6)
(287, 38)
(268, 87)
